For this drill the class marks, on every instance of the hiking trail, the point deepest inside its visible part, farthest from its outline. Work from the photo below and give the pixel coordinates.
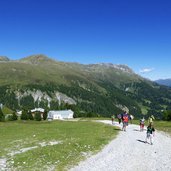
(129, 152)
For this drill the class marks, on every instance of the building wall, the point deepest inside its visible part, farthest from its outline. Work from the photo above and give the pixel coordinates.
(60, 114)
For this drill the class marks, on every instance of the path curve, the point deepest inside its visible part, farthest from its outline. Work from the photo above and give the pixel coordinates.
(128, 152)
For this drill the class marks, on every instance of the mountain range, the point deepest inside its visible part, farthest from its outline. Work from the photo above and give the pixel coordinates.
(90, 90)
(166, 82)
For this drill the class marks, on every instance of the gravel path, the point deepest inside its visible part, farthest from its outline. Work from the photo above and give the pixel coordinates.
(128, 152)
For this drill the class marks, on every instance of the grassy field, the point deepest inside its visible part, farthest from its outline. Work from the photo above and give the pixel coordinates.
(55, 145)
(163, 126)
(159, 125)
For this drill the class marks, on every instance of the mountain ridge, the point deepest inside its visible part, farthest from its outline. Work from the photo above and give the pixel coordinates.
(166, 82)
(94, 88)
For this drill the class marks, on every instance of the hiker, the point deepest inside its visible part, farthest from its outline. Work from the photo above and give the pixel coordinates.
(131, 117)
(150, 119)
(119, 118)
(142, 121)
(150, 133)
(113, 118)
(125, 119)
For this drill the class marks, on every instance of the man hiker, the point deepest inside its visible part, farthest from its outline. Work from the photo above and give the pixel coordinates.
(125, 119)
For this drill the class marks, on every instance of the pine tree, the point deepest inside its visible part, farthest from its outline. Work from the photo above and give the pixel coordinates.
(45, 115)
(30, 116)
(2, 117)
(14, 116)
(24, 115)
(37, 116)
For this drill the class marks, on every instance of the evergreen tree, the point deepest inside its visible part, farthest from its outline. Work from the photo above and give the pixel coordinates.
(14, 116)
(2, 116)
(167, 115)
(24, 115)
(30, 116)
(37, 116)
(54, 105)
(43, 103)
(45, 115)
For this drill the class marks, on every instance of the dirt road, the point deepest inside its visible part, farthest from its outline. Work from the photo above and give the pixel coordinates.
(128, 152)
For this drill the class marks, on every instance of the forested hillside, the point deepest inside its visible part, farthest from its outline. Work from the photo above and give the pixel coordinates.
(90, 90)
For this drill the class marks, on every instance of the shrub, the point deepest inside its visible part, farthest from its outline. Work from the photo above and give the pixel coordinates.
(167, 115)
(30, 116)
(24, 115)
(14, 116)
(9, 117)
(37, 116)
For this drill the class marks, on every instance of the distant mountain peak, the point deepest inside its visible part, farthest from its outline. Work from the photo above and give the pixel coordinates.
(166, 82)
(37, 59)
(121, 67)
(4, 58)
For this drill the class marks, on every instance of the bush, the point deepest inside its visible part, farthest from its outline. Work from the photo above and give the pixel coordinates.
(167, 115)
(30, 116)
(9, 117)
(24, 115)
(14, 116)
(37, 116)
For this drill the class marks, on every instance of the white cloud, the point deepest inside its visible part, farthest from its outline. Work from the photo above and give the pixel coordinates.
(146, 70)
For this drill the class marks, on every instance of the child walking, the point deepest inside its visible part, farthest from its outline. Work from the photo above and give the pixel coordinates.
(150, 133)
(113, 118)
(142, 121)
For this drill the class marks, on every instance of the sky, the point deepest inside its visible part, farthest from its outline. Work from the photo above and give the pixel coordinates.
(136, 33)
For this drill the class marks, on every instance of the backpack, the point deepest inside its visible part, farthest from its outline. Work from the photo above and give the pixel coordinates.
(119, 116)
(125, 118)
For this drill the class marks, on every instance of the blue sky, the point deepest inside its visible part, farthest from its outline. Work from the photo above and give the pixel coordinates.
(132, 32)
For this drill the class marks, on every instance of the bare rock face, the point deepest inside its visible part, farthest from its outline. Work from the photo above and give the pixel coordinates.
(38, 95)
(4, 58)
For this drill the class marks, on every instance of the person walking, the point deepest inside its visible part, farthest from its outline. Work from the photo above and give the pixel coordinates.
(119, 118)
(150, 133)
(125, 119)
(113, 118)
(142, 122)
(131, 117)
(151, 119)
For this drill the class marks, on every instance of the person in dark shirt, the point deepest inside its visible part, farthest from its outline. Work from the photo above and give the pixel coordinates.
(119, 118)
(150, 133)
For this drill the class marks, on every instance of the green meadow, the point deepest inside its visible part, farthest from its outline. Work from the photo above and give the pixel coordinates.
(164, 126)
(55, 145)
